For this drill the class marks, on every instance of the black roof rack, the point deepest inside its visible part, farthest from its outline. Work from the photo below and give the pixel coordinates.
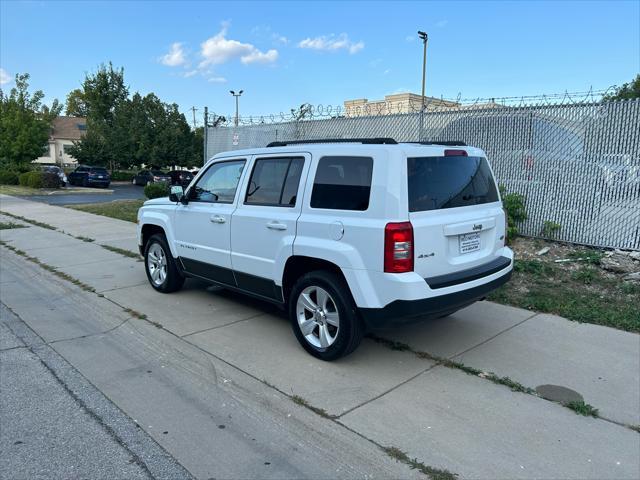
(446, 143)
(367, 141)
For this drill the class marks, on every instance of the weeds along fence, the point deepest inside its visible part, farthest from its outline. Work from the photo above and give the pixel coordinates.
(577, 164)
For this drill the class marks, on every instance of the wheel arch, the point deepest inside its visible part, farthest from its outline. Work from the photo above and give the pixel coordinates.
(156, 226)
(298, 265)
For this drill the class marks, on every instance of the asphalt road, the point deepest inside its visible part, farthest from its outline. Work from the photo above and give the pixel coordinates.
(44, 398)
(120, 192)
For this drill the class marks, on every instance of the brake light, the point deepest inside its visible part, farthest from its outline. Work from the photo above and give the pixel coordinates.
(398, 247)
(455, 153)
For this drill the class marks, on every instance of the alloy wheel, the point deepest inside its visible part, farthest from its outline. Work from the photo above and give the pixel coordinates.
(157, 264)
(318, 317)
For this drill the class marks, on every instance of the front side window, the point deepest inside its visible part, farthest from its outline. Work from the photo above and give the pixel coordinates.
(218, 184)
(435, 183)
(274, 181)
(342, 183)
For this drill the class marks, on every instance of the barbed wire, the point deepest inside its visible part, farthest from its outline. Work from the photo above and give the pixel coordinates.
(308, 111)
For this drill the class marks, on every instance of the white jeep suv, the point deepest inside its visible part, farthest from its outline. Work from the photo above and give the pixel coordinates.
(347, 235)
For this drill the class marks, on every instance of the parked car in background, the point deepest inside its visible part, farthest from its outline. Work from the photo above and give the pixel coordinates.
(145, 177)
(90, 177)
(57, 171)
(180, 177)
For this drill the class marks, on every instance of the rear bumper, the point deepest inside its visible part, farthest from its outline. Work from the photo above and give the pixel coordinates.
(401, 312)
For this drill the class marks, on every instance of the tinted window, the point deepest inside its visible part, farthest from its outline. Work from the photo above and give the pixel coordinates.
(342, 183)
(449, 182)
(219, 183)
(274, 181)
(99, 170)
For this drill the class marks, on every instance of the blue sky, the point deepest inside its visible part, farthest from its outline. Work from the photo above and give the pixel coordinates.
(287, 53)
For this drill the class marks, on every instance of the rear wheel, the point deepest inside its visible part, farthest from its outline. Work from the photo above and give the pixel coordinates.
(162, 271)
(323, 316)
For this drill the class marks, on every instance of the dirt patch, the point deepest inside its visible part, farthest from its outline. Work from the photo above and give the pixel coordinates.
(579, 283)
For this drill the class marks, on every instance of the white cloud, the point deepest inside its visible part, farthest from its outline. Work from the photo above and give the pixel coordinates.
(4, 77)
(190, 73)
(332, 43)
(175, 57)
(411, 38)
(257, 56)
(387, 71)
(280, 39)
(442, 23)
(219, 49)
(217, 80)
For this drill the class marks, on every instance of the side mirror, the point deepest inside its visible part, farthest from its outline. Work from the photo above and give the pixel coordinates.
(176, 193)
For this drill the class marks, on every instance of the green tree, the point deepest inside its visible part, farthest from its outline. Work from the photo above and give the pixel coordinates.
(125, 131)
(76, 106)
(25, 122)
(102, 94)
(627, 91)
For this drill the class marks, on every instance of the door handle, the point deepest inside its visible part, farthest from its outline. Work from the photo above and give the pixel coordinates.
(217, 219)
(276, 226)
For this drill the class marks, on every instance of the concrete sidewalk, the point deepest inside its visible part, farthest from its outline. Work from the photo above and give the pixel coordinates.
(442, 416)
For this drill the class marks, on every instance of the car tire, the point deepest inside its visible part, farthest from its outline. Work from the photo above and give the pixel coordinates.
(335, 329)
(160, 266)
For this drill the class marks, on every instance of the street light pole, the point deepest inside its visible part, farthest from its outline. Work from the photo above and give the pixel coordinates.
(424, 37)
(237, 95)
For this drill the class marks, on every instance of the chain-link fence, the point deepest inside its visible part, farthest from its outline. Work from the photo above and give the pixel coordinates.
(577, 164)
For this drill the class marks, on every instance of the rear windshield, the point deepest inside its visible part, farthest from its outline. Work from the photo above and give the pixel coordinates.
(99, 170)
(449, 182)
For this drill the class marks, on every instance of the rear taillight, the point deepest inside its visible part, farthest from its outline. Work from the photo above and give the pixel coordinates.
(455, 153)
(398, 247)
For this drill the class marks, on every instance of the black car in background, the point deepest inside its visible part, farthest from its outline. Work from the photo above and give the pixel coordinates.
(90, 177)
(180, 177)
(58, 172)
(145, 177)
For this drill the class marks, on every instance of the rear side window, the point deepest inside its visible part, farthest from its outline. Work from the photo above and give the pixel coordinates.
(342, 183)
(448, 182)
(274, 181)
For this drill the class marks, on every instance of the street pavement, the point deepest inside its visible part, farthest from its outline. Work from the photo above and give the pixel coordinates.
(116, 191)
(219, 373)
(55, 424)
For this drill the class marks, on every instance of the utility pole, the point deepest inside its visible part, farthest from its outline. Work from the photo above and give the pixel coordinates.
(206, 134)
(237, 95)
(424, 37)
(194, 110)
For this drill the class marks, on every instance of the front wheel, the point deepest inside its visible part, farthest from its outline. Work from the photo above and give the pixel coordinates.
(160, 266)
(323, 316)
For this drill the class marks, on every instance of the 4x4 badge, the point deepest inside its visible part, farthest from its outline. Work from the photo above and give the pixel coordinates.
(477, 227)
(422, 255)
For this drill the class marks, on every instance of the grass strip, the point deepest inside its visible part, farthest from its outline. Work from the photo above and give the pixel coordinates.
(32, 222)
(298, 400)
(120, 209)
(10, 225)
(413, 463)
(48, 268)
(584, 294)
(121, 251)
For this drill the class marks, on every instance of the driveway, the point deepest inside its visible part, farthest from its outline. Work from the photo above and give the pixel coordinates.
(422, 395)
(121, 191)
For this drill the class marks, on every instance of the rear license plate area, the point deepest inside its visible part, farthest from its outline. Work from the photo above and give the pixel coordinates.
(469, 242)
